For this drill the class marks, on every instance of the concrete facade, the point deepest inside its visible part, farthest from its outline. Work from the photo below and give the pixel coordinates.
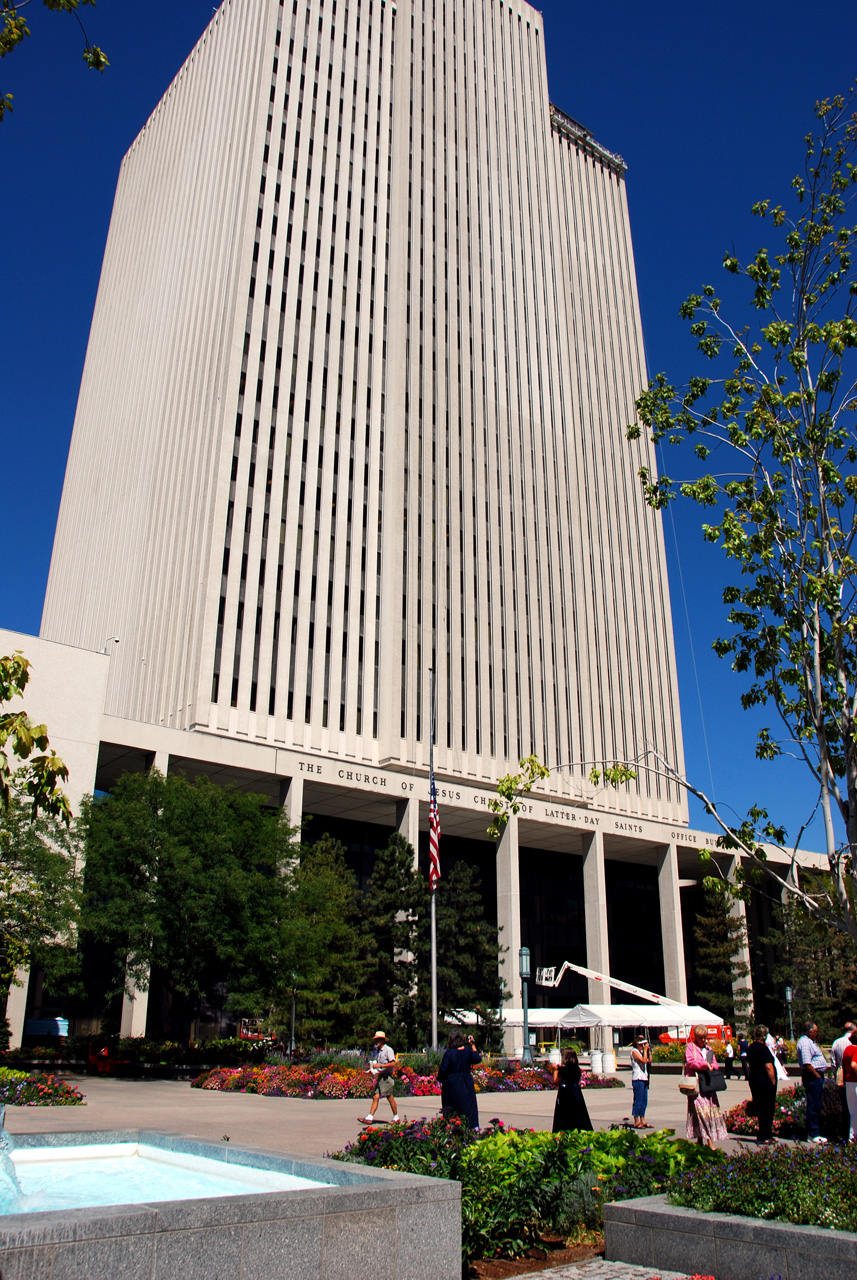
(364, 350)
(365, 346)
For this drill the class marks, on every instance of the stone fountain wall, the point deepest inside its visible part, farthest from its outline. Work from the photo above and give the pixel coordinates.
(373, 1224)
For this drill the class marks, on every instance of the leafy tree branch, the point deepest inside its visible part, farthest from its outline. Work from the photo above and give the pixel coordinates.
(513, 786)
(14, 29)
(38, 771)
(777, 413)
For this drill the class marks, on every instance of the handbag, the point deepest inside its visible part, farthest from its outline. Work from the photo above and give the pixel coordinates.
(713, 1083)
(688, 1086)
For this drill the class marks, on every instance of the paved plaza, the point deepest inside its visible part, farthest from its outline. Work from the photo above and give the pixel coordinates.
(599, 1269)
(311, 1127)
(314, 1128)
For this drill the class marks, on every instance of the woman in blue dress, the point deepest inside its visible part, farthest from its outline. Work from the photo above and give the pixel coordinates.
(457, 1095)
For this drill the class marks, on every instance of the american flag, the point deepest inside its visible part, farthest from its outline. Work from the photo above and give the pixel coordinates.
(434, 838)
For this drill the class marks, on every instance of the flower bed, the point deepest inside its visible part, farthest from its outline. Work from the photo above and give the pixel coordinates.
(355, 1082)
(790, 1114)
(22, 1089)
(812, 1185)
(517, 1184)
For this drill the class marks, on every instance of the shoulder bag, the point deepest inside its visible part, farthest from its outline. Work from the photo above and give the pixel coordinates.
(688, 1086)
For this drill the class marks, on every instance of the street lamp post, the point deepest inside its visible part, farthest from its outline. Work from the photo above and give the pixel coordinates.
(789, 1003)
(524, 971)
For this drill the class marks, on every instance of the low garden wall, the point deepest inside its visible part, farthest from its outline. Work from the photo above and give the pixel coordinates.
(370, 1223)
(649, 1232)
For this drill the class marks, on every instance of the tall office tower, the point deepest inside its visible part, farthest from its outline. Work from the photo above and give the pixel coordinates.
(365, 345)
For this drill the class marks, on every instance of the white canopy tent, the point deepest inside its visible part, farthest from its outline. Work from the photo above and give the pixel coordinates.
(603, 1015)
(537, 1018)
(638, 1015)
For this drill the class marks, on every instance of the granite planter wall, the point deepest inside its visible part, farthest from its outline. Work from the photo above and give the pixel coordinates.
(373, 1224)
(651, 1233)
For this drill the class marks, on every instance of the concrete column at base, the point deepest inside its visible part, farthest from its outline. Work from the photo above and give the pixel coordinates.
(161, 762)
(742, 987)
(597, 938)
(595, 904)
(408, 825)
(292, 800)
(16, 1007)
(672, 935)
(135, 1010)
(509, 920)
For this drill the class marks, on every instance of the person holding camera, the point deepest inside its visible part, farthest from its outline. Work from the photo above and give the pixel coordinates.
(641, 1057)
(457, 1094)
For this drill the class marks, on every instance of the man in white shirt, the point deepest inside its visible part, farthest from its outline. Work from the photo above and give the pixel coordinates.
(836, 1051)
(813, 1065)
(381, 1061)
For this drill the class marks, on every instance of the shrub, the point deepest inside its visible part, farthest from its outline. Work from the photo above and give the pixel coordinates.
(139, 1049)
(667, 1053)
(23, 1089)
(790, 1114)
(516, 1184)
(430, 1147)
(816, 1185)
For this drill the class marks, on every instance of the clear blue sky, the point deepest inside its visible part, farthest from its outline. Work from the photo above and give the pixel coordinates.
(708, 106)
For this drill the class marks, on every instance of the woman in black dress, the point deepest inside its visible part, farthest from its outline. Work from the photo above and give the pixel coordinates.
(762, 1078)
(570, 1109)
(457, 1095)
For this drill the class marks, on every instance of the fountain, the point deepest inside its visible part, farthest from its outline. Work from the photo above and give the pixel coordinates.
(264, 1210)
(10, 1188)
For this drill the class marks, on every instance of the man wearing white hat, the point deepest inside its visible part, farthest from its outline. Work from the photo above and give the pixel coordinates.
(381, 1061)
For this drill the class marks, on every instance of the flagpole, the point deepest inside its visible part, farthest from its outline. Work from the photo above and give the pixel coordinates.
(434, 1044)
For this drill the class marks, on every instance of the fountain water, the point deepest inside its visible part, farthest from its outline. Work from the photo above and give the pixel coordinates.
(10, 1188)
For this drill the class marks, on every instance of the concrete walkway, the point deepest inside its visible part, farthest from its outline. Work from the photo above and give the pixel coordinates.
(598, 1269)
(313, 1128)
(310, 1127)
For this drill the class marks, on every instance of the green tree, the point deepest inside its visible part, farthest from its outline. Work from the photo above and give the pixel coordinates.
(189, 877)
(720, 938)
(468, 952)
(324, 961)
(39, 891)
(778, 419)
(396, 900)
(38, 771)
(818, 962)
(397, 910)
(14, 29)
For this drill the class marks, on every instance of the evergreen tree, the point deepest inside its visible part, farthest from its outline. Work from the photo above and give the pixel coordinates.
(468, 951)
(330, 948)
(396, 900)
(720, 937)
(819, 963)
